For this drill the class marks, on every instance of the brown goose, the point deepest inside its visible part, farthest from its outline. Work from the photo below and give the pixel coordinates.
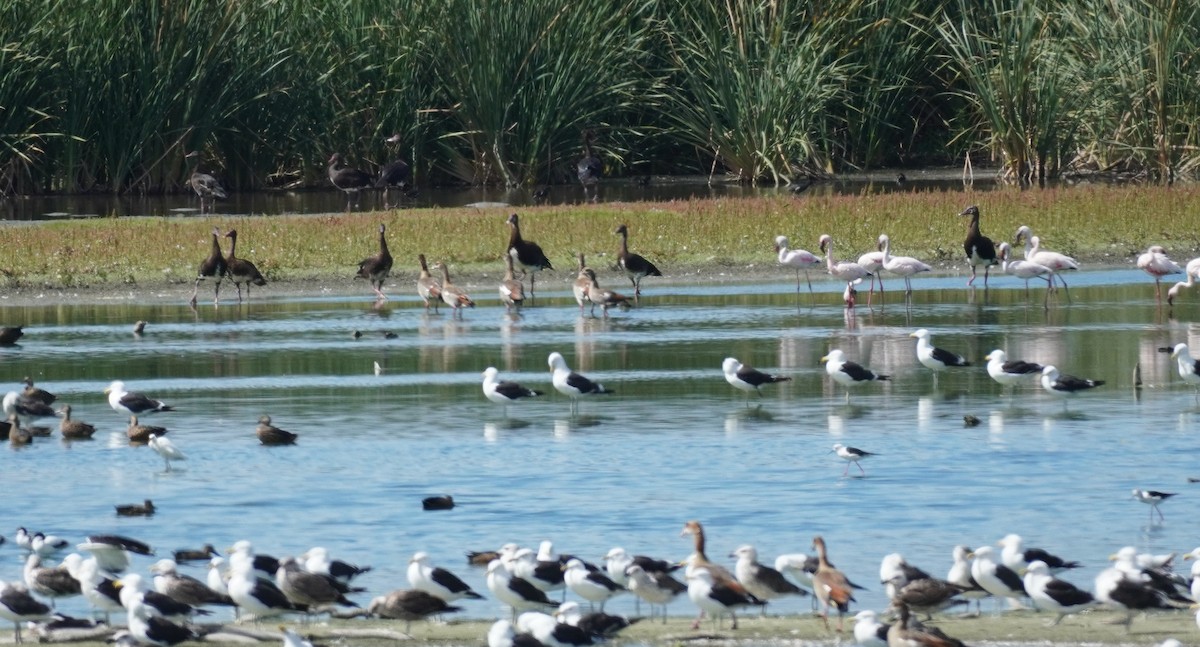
(73, 429)
(589, 169)
(830, 585)
(205, 185)
(139, 434)
(603, 297)
(214, 267)
(269, 434)
(512, 291)
(580, 287)
(241, 270)
(350, 180)
(452, 295)
(635, 266)
(10, 334)
(394, 174)
(376, 268)
(31, 392)
(427, 286)
(526, 253)
(907, 632)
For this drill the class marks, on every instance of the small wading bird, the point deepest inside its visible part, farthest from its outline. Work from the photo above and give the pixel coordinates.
(851, 455)
(1152, 498)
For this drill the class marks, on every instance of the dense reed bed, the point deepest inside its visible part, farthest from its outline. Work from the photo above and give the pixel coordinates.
(109, 95)
(699, 238)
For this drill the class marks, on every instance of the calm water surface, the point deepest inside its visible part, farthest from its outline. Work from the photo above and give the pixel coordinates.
(674, 443)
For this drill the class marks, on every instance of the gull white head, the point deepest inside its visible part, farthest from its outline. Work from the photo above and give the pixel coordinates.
(730, 366)
(556, 362)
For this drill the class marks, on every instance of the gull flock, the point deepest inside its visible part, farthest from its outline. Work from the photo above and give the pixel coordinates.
(172, 607)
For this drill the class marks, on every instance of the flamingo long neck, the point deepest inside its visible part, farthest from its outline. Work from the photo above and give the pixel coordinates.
(887, 254)
(829, 256)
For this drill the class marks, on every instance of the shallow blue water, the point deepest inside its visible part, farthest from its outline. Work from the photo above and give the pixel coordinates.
(674, 443)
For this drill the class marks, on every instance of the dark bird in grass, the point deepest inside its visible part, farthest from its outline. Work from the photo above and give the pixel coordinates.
(241, 270)
(376, 268)
(205, 185)
(396, 173)
(445, 502)
(980, 249)
(589, 169)
(213, 267)
(145, 509)
(350, 180)
(31, 392)
(526, 253)
(635, 266)
(269, 434)
(10, 334)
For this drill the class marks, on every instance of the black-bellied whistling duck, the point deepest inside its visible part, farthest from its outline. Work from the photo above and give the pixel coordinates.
(603, 297)
(512, 291)
(830, 585)
(376, 268)
(526, 253)
(979, 248)
(589, 169)
(350, 180)
(269, 434)
(241, 270)
(635, 265)
(428, 286)
(215, 266)
(580, 287)
(452, 295)
(73, 429)
(31, 392)
(205, 185)
(393, 174)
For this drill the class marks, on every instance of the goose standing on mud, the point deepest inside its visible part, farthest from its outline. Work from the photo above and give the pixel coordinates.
(428, 287)
(350, 180)
(376, 268)
(394, 174)
(241, 270)
(213, 267)
(526, 253)
(589, 169)
(451, 294)
(635, 266)
(205, 185)
(980, 249)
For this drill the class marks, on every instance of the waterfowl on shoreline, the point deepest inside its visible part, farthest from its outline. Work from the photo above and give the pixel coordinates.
(347, 179)
(760, 580)
(1156, 263)
(436, 580)
(830, 585)
(131, 402)
(934, 358)
(72, 429)
(798, 259)
(203, 184)
(212, 267)
(905, 266)
(844, 270)
(241, 270)
(33, 393)
(451, 294)
(602, 297)
(526, 253)
(376, 268)
(140, 434)
(428, 288)
(980, 249)
(636, 267)
(396, 173)
(512, 291)
(1191, 270)
(847, 373)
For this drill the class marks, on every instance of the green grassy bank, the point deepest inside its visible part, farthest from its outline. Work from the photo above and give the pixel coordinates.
(698, 239)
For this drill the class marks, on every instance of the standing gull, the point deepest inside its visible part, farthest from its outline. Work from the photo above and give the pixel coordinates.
(1009, 372)
(18, 607)
(1049, 593)
(746, 378)
(570, 383)
(1017, 557)
(132, 403)
(593, 586)
(868, 630)
(313, 590)
(184, 588)
(763, 582)
(112, 551)
(934, 358)
(1188, 368)
(997, 579)
(715, 597)
(656, 588)
(436, 580)
(514, 591)
(1064, 386)
(848, 373)
(503, 391)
